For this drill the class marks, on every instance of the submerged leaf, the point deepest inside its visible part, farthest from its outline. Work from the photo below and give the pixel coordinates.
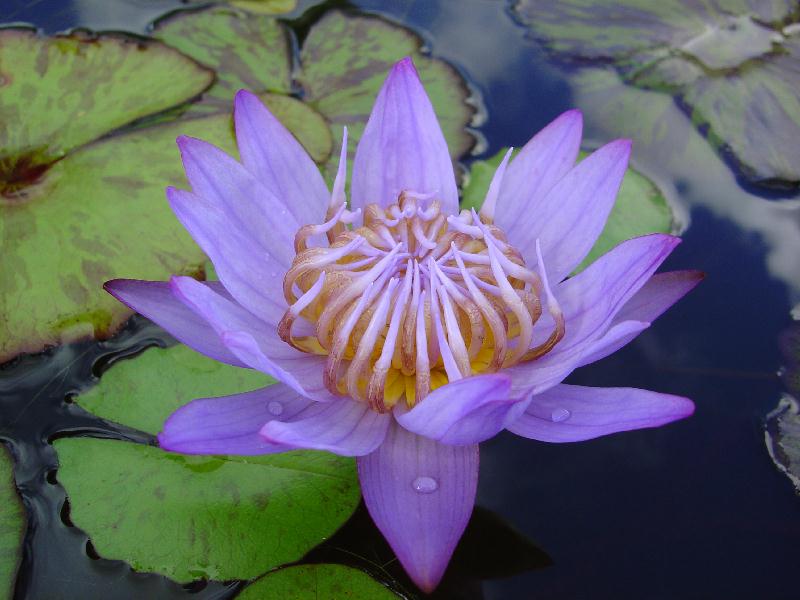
(734, 65)
(640, 207)
(12, 526)
(191, 517)
(307, 582)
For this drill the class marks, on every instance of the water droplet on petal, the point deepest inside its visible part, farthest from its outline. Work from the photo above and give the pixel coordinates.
(560, 414)
(425, 485)
(275, 408)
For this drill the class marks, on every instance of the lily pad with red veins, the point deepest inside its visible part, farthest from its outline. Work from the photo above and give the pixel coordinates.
(12, 526)
(735, 66)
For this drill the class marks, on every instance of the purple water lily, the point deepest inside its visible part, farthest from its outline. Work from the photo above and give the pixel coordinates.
(401, 330)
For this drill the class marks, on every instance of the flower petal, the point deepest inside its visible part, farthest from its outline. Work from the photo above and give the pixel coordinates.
(249, 271)
(403, 147)
(545, 159)
(570, 217)
(271, 153)
(253, 342)
(572, 413)
(420, 493)
(155, 300)
(230, 424)
(345, 427)
(463, 412)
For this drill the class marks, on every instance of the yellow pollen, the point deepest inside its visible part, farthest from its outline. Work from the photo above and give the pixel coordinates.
(411, 300)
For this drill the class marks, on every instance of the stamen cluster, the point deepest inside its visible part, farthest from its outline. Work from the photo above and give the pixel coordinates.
(412, 299)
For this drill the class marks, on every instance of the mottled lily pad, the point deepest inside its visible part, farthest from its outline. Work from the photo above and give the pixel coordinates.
(312, 582)
(191, 517)
(640, 207)
(734, 65)
(174, 377)
(98, 214)
(12, 526)
(58, 93)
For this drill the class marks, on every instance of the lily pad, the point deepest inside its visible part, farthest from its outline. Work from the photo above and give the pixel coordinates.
(310, 582)
(12, 526)
(191, 517)
(58, 93)
(640, 207)
(98, 214)
(735, 66)
(174, 377)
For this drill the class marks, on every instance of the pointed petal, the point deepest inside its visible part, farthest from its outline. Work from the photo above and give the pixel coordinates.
(617, 336)
(545, 159)
(345, 427)
(422, 527)
(230, 424)
(570, 217)
(403, 147)
(463, 412)
(155, 300)
(572, 413)
(271, 153)
(253, 342)
(248, 270)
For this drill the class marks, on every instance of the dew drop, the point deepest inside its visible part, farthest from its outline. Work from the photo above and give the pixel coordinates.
(425, 485)
(275, 408)
(560, 414)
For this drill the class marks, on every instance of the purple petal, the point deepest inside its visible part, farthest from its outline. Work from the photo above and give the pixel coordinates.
(345, 427)
(570, 217)
(271, 153)
(571, 413)
(463, 412)
(230, 424)
(155, 300)
(252, 273)
(617, 336)
(403, 147)
(253, 342)
(590, 301)
(420, 493)
(545, 159)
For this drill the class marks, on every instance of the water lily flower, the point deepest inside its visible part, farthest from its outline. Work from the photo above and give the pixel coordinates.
(401, 330)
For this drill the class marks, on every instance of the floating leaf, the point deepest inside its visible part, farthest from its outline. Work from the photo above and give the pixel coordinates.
(312, 582)
(191, 517)
(58, 93)
(99, 213)
(12, 526)
(173, 377)
(308, 126)
(265, 7)
(735, 66)
(640, 207)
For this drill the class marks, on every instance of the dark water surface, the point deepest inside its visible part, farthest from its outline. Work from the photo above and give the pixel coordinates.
(693, 510)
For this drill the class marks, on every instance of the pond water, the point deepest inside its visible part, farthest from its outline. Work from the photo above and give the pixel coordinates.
(696, 509)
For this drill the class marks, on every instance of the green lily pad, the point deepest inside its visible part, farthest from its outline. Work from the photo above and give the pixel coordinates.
(735, 66)
(191, 517)
(174, 377)
(12, 526)
(640, 207)
(98, 214)
(58, 93)
(312, 582)
(308, 126)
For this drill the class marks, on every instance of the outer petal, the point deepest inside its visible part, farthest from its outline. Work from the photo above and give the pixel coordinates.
(253, 342)
(422, 525)
(545, 159)
(403, 147)
(230, 424)
(251, 272)
(464, 412)
(277, 159)
(344, 427)
(568, 220)
(571, 413)
(155, 300)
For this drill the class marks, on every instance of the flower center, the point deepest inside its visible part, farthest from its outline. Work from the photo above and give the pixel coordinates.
(412, 300)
